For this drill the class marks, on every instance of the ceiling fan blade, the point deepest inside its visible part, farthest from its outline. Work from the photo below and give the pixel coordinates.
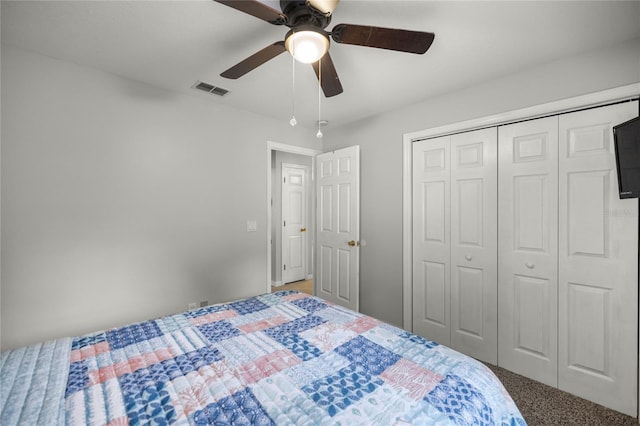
(383, 38)
(257, 9)
(329, 80)
(254, 61)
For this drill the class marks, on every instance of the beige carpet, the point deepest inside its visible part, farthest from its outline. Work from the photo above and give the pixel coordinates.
(305, 286)
(542, 405)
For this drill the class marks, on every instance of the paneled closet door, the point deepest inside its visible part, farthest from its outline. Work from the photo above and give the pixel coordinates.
(474, 274)
(598, 281)
(431, 242)
(527, 248)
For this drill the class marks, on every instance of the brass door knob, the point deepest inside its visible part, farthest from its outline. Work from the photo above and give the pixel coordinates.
(353, 243)
(303, 229)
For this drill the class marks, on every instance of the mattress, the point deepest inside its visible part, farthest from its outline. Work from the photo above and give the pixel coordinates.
(284, 358)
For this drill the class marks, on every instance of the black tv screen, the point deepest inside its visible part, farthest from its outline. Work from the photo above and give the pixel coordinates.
(626, 137)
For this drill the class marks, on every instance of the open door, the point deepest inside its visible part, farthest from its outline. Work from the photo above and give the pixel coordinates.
(338, 226)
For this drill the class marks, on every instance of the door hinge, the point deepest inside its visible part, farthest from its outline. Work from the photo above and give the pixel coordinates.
(285, 267)
(284, 223)
(284, 179)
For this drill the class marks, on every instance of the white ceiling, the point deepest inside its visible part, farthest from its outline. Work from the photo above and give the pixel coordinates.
(171, 44)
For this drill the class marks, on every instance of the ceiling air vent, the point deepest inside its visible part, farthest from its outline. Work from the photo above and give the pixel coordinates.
(210, 88)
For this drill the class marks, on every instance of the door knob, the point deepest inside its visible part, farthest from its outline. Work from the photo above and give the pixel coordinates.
(469, 258)
(353, 243)
(303, 229)
(529, 265)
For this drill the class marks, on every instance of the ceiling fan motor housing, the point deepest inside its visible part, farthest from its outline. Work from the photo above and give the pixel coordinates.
(301, 12)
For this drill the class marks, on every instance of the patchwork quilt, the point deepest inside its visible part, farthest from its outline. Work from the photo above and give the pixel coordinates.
(285, 358)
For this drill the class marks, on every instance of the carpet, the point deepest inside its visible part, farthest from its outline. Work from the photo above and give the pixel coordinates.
(543, 405)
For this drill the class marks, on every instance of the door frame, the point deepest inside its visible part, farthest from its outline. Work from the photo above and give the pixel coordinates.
(307, 216)
(292, 149)
(595, 99)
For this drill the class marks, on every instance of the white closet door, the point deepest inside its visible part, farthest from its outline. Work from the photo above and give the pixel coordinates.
(598, 281)
(474, 275)
(431, 243)
(527, 249)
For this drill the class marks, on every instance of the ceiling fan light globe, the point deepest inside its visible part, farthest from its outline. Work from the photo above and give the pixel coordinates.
(307, 46)
(325, 6)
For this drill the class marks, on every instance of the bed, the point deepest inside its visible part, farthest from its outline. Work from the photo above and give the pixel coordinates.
(284, 358)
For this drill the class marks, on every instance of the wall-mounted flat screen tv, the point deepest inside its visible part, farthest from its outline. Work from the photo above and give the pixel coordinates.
(626, 137)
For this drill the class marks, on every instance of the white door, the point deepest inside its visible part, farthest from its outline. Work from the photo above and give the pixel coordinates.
(474, 239)
(598, 281)
(294, 223)
(527, 249)
(454, 242)
(338, 226)
(431, 242)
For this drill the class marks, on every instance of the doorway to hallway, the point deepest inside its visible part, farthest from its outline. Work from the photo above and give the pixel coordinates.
(276, 155)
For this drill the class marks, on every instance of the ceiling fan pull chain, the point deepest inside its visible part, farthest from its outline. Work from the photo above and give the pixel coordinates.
(319, 134)
(293, 120)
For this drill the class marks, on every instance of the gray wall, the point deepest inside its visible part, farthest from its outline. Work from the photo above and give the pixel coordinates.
(380, 139)
(122, 202)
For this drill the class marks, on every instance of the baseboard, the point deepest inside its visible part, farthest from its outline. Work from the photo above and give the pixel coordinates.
(276, 283)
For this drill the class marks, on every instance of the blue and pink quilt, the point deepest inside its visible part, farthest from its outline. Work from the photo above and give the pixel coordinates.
(285, 358)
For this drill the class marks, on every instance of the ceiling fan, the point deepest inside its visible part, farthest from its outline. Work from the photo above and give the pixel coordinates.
(308, 41)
